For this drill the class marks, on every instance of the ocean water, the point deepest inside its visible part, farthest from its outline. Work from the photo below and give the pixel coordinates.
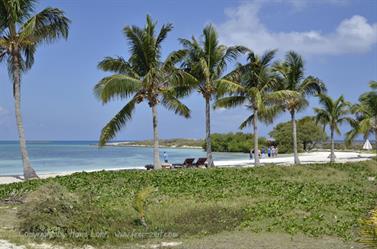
(60, 156)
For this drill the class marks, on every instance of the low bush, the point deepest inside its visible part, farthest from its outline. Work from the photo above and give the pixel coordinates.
(49, 210)
(98, 207)
(234, 142)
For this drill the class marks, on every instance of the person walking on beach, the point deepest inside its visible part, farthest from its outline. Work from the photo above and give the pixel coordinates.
(263, 152)
(166, 160)
(269, 151)
(251, 154)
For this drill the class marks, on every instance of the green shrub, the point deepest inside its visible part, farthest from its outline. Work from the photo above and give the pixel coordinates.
(48, 211)
(309, 134)
(52, 212)
(318, 200)
(140, 202)
(234, 142)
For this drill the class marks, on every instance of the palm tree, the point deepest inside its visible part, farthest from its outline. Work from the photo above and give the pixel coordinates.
(256, 91)
(143, 78)
(21, 33)
(207, 61)
(292, 76)
(332, 113)
(366, 115)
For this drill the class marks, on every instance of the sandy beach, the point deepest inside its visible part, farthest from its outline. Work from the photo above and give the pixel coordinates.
(306, 158)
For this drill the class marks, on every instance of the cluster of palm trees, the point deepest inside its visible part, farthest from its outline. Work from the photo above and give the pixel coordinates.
(266, 88)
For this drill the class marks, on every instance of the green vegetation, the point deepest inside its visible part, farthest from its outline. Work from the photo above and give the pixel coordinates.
(174, 142)
(315, 200)
(140, 202)
(309, 134)
(234, 142)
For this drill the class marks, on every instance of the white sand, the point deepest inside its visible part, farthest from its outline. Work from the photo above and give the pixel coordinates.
(305, 158)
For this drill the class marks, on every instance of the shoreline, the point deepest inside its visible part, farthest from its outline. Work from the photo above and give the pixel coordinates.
(305, 158)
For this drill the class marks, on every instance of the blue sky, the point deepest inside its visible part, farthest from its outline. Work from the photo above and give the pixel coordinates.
(337, 39)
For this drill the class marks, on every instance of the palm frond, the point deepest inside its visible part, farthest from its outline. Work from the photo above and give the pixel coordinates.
(267, 57)
(247, 122)
(230, 102)
(165, 29)
(117, 65)
(373, 84)
(170, 102)
(224, 86)
(116, 86)
(173, 58)
(46, 26)
(117, 122)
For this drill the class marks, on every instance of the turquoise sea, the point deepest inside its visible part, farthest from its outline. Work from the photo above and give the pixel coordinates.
(60, 156)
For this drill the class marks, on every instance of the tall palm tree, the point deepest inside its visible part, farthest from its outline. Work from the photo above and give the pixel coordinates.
(291, 71)
(21, 33)
(256, 91)
(206, 60)
(332, 113)
(366, 115)
(143, 77)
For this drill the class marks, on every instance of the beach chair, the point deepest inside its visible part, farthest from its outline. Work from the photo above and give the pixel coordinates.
(163, 166)
(187, 163)
(149, 166)
(202, 161)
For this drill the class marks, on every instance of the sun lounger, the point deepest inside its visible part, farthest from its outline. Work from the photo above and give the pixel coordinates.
(187, 163)
(163, 166)
(201, 162)
(149, 166)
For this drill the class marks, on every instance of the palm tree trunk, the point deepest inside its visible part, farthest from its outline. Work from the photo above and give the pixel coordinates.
(208, 133)
(255, 127)
(29, 172)
(156, 147)
(294, 136)
(332, 153)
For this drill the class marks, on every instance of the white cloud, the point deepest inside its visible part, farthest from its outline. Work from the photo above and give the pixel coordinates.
(243, 26)
(301, 4)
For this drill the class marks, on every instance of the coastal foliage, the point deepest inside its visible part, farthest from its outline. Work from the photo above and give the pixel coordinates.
(309, 134)
(234, 142)
(173, 142)
(315, 200)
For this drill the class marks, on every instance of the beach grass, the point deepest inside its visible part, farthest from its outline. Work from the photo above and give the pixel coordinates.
(310, 200)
